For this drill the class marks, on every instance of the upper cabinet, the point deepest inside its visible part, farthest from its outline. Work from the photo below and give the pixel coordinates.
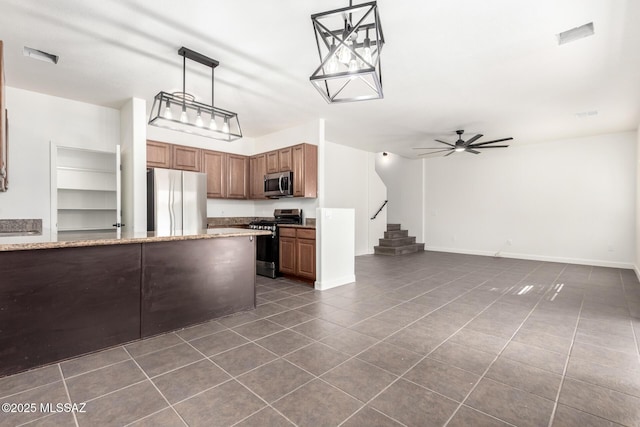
(171, 156)
(237, 176)
(214, 164)
(4, 130)
(185, 158)
(279, 160)
(158, 155)
(257, 170)
(305, 170)
(284, 157)
(234, 176)
(273, 162)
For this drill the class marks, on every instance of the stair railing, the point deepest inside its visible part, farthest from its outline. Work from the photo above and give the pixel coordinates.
(381, 207)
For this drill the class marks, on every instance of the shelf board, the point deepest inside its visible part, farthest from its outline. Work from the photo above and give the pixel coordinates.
(92, 170)
(88, 229)
(85, 189)
(87, 209)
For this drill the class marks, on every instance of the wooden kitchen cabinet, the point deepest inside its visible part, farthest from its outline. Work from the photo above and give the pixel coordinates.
(214, 164)
(258, 168)
(298, 252)
(185, 158)
(304, 160)
(284, 157)
(287, 244)
(273, 162)
(279, 160)
(158, 154)
(237, 176)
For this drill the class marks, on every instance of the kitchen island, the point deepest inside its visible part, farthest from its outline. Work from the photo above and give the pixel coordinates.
(69, 294)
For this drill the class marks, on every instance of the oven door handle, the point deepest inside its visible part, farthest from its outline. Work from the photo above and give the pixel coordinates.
(280, 184)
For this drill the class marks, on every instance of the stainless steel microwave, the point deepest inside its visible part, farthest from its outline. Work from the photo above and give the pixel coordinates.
(278, 185)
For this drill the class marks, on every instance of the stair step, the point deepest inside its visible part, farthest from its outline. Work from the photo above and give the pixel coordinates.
(398, 250)
(396, 234)
(400, 241)
(393, 227)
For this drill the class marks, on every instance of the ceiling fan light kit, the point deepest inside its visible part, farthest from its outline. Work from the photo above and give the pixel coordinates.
(349, 42)
(180, 111)
(469, 146)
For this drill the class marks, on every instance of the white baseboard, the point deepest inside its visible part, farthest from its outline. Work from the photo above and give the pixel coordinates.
(328, 284)
(533, 257)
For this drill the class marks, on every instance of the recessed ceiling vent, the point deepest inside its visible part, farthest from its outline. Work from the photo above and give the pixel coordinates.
(40, 55)
(574, 34)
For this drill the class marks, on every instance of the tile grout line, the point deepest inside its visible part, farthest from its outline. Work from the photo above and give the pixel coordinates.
(66, 389)
(507, 343)
(566, 366)
(157, 389)
(633, 329)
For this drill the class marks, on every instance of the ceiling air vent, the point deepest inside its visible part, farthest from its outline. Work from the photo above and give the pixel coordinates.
(40, 55)
(574, 34)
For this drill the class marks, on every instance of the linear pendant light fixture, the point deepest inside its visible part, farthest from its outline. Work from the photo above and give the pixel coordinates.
(180, 111)
(349, 43)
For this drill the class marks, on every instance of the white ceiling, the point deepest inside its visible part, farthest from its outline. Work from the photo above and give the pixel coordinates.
(491, 67)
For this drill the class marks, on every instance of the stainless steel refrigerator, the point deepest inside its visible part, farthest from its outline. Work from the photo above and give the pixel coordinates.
(176, 201)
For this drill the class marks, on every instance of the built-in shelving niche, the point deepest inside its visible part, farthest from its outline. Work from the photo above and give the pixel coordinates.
(85, 190)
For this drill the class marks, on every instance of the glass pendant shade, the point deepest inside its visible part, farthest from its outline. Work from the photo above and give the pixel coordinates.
(349, 70)
(199, 121)
(166, 106)
(167, 112)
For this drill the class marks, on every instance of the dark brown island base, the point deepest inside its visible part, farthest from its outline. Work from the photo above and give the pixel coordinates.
(61, 299)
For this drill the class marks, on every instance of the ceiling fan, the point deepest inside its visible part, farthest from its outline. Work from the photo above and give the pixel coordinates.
(470, 145)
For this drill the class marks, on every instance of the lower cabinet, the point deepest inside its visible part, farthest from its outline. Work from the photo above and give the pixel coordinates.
(298, 252)
(60, 303)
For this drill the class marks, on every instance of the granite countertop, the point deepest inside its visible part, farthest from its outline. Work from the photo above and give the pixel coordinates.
(51, 240)
(312, 227)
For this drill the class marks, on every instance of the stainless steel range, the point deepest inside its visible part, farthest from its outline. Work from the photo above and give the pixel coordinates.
(268, 247)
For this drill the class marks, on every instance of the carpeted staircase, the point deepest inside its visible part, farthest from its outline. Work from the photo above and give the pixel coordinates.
(397, 242)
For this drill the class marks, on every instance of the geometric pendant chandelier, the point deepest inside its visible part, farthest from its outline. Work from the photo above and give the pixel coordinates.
(349, 43)
(180, 111)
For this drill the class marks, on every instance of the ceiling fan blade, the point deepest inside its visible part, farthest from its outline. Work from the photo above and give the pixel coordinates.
(442, 142)
(452, 151)
(474, 139)
(428, 148)
(433, 152)
(469, 150)
(491, 146)
(495, 140)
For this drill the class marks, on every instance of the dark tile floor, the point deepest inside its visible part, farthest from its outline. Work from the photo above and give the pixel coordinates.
(429, 339)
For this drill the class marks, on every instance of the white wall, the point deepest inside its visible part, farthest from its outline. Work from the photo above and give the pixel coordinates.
(335, 261)
(378, 192)
(133, 136)
(405, 188)
(569, 201)
(349, 183)
(36, 119)
(637, 234)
